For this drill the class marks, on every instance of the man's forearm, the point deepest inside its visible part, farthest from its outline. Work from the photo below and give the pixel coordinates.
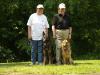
(54, 31)
(29, 33)
(70, 30)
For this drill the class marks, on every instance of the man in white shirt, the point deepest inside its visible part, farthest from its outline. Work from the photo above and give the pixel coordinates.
(37, 24)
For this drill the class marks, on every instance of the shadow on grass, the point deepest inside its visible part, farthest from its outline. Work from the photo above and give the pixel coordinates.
(76, 64)
(14, 64)
(28, 64)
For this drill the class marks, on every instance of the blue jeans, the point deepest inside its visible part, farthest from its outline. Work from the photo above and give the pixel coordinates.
(37, 48)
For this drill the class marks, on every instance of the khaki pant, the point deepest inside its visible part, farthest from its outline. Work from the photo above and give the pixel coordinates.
(61, 35)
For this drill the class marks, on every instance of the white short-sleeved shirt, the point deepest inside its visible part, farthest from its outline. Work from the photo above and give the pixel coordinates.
(38, 24)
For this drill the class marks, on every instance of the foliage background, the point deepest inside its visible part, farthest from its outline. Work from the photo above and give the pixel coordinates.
(85, 16)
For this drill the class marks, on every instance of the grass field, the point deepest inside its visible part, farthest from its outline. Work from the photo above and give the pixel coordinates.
(80, 67)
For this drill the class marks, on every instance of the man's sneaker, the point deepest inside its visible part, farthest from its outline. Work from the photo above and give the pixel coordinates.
(40, 63)
(32, 64)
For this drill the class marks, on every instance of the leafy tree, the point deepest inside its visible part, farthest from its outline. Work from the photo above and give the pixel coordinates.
(13, 29)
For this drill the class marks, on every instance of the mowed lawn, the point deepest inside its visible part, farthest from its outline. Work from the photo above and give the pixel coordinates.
(80, 67)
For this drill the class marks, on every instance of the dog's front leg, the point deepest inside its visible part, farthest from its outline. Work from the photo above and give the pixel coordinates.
(44, 56)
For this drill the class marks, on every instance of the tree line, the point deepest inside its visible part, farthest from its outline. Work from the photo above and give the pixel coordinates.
(84, 14)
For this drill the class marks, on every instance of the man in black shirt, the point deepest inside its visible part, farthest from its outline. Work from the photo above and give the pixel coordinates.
(62, 30)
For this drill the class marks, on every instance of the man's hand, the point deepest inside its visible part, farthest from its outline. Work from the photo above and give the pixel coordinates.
(46, 33)
(29, 33)
(46, 36)
(69, 38)
(70, 33)
(54, 36)
(29, 37)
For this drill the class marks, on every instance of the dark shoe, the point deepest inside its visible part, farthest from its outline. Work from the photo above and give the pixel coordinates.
(58, 63)
(31, 64)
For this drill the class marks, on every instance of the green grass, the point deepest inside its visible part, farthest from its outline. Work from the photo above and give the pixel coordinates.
(80, 66)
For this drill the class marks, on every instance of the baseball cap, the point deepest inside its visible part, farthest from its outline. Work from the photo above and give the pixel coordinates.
(40, 6)
(61, 5)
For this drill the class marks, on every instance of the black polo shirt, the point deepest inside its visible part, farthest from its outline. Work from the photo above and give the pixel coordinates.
(61, 22)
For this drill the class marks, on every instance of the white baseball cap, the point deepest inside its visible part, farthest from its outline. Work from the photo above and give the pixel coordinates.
(40, 6)
(61, 5)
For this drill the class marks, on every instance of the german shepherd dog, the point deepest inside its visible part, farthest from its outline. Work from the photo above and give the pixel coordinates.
(46, 51)
(66, 53)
